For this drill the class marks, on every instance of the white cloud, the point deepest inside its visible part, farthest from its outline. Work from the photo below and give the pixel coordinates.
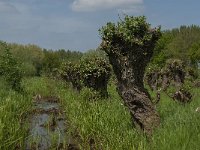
(94, 5)
(138, 9)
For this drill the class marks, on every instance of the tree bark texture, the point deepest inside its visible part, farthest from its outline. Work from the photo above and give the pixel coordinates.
(130, 72)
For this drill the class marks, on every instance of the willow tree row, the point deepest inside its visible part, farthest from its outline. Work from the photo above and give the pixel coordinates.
(174, 79)
(90, 72)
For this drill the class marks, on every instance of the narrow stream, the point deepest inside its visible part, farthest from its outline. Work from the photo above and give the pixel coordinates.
(47, 127)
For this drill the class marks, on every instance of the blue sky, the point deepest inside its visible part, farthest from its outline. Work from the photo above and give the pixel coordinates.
(74, 24)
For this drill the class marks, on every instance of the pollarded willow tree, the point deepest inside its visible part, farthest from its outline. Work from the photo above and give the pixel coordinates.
(92, 72)
(70, 72)
(129, 45)
(95, 73)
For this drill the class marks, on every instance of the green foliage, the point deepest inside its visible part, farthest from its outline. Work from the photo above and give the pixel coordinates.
(95, 73)
(68, 55)
(31, 57)
(179, 43)
(194, 54)
(160, 54)
(29, 69)
(50, 62)
(53, 59)
(92, 72)
(184, 39)
(35, 61)
(70, 72)
(127, 34)
(10, 69)
(94, 53)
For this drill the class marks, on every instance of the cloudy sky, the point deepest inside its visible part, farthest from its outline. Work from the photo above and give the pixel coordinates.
(74, 24)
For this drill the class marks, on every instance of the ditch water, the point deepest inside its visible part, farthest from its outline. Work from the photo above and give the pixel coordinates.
(47, 126)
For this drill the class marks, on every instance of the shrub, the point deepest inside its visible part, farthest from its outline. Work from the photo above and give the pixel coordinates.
(91, 72)
(95, 73)
(70, 72)
(10, 69)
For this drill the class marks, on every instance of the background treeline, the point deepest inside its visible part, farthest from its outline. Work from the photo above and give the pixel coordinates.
(36, 61)
(181, 43)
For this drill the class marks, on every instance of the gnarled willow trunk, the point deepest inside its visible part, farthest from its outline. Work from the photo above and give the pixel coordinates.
(129, 45)
(130, 73)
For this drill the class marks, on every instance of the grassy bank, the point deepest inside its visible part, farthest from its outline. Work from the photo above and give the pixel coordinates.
(104, 123)
(13, 109)
(108, 123)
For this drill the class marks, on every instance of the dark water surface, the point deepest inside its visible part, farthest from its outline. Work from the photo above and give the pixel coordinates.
(47, 127)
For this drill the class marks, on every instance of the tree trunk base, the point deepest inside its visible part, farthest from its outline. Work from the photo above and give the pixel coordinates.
(143, 113)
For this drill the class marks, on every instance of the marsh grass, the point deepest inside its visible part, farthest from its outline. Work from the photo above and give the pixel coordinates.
(102, 123)
(107, 121)
(40, 85)
(13, 109)
(106, 124)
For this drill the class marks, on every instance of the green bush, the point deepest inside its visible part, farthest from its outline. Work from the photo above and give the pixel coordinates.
(95, 73)
(29, 69)
(92, 72)
(70, 72)
(10, 69)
